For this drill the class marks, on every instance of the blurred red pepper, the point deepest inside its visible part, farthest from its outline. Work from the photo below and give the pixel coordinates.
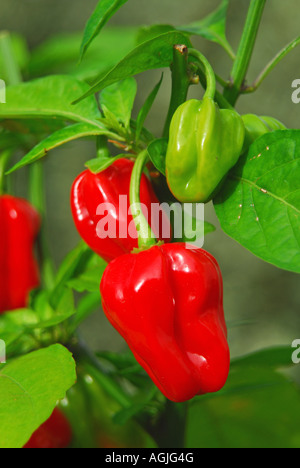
(167, 303)
(20, 224)
(56, 433)
(91, 190)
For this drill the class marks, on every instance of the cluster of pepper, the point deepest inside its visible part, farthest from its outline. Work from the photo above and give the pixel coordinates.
(166, 299)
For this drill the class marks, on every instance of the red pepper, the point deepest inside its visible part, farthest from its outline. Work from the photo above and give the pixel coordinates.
(90, 190)
(56, 433)
(167, 303)
(20, 224)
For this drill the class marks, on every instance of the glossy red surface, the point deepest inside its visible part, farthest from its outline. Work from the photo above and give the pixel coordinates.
(91, 190)
(20, 224)
(167, 303)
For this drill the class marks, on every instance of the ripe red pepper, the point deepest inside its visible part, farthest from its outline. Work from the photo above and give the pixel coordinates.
(90, 190)
(20, 224)
(167, 303)
(56, 433)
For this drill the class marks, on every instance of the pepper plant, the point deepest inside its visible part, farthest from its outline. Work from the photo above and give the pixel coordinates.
(175, 386)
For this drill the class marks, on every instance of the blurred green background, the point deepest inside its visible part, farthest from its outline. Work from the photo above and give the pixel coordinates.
(261, 302)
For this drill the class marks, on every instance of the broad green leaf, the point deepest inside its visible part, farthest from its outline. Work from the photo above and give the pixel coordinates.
(50, 98)
(259, 205)
(59, 54)
(146, 109)
(119, 99)
(103, 12)
(100, 164)
(156, 53)
(213, 27)
(30, 387)
(59, 138)
(258, 408)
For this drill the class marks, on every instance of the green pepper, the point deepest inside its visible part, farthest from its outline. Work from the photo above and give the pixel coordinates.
(205, 143)
(257, 126)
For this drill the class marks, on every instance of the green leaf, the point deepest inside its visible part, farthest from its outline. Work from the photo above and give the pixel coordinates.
(157, 151)
(258, 408)
(59, 54)
(259, 205)
(146, 108)
(74, 261)
(30, 387)
(156, 53)
(100, 164)
(50, 98)
(119, 99)
(213, 27)
(103, 12)
(87, 305)
(146, 33)
(59, 138)
(89, 278)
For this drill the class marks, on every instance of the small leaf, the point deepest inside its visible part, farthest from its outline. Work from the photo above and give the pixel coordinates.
(146, 33)
(119, 98)
(213, 27)
(30, 387)
(146, 108)
(259, 205)
(59, 138)
(98, 165)
(156, 53)
(89, 277)
(103, 12)
(157, 151)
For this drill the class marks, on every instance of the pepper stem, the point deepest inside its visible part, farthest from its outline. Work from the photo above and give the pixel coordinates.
(146, 237)
(210, 74)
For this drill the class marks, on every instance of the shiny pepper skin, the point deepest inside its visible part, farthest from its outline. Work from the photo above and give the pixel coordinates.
(55, 433)
(205, 143)
(167, 303)
(90, 190)
(258, 126)
(19, 227)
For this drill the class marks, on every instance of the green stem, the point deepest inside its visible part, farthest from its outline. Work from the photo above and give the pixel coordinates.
(245, 51)
(102, 149)
(146, 237)
(209, 73)
(219, 98)
(37, 198)
(11, 69)
(180, 83)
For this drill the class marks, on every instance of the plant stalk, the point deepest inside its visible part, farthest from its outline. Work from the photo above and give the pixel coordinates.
(245, 51)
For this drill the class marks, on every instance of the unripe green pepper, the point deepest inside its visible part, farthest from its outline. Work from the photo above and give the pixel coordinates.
(257, 126)
(205, 143)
